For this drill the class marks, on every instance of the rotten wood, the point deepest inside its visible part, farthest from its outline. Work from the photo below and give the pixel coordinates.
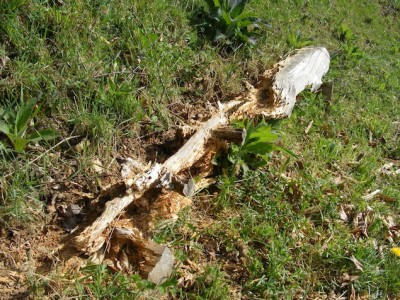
(155, 261)
(90, 240)
(274, 97)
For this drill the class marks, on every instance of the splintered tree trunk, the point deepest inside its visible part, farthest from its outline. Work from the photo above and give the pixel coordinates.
(274, 97)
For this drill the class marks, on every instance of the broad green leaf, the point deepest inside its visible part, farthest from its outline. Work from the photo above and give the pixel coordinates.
(147, 39)
(23, 115)
(250, 128)
(19, 144)
(261, 162)
(43, 135)
(217, 3)
(226, 18)
(238, 124)
(264, 133)
(8, 115)
(246, 16)
(4, 128)
(237, 7)
(258, 148)
(144, 40)
(244, 23)
(234, 154)
(152, 37)
(36, 111)
(12, 138)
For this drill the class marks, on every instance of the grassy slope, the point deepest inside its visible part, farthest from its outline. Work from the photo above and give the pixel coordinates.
(265, 236)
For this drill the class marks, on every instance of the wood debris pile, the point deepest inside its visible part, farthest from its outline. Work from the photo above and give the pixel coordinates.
(156, 190)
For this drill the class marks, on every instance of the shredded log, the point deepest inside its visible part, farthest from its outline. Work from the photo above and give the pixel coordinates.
(274, 97)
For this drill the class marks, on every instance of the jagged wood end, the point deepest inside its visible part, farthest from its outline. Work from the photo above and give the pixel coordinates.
(275, 96)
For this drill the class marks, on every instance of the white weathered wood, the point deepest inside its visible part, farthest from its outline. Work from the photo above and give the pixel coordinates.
(303, 69)
(274, 97)
(146, 180)
(194, 148)
(90, 240)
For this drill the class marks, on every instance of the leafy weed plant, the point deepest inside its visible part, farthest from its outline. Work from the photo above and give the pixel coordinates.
(349, 48)
(296, 40)
(230, 24)
(19, 127)
(259, 141)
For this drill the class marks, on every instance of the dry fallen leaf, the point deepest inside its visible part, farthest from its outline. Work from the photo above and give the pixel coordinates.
(361, 223)
(343, 215)
(3, 62)
(82, 145)
(338, 180)
(124, 260)
(347, 279)
(309, 127)
(386, 198)
(97, 166)
(389, 170)
(393, 228)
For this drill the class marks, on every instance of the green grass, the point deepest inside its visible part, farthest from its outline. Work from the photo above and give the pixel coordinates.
(114, 70)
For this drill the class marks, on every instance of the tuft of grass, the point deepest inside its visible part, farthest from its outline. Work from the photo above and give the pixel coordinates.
(297, 41)
(97, 281)
(20, 199)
